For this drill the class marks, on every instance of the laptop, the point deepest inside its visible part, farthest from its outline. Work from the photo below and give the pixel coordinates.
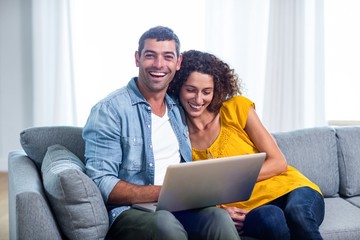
(207, 183)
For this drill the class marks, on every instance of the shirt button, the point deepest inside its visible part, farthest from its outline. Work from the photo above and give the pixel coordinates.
(150, 146)
(149, 126)
(150, 164)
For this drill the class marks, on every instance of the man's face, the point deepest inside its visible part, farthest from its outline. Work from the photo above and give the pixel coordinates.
(157, 64)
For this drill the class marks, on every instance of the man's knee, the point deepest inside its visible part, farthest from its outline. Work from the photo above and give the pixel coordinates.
(168, 227)
(219, 224)
(216, 216)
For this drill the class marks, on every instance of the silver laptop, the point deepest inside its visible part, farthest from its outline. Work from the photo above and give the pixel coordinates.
(206, 183)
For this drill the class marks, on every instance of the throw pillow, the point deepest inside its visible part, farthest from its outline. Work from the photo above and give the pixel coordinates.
(75, 199)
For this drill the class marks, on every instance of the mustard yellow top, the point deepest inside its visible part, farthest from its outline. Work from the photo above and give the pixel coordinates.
(233, 140)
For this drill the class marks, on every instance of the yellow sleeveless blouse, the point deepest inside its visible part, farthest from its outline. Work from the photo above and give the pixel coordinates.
(233, 140)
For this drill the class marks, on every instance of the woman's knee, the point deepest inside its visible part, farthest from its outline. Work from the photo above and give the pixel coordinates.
(270, 216)
(307, 205)
(266, 222)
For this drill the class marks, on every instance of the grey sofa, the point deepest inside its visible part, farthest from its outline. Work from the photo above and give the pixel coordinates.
(50, 197)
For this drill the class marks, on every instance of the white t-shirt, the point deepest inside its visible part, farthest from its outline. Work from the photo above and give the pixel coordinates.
(165, 146)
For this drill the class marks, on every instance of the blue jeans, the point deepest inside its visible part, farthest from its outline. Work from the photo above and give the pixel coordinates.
(296, 215)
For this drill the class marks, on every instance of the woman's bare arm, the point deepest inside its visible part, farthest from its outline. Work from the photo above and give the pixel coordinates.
(275, 162)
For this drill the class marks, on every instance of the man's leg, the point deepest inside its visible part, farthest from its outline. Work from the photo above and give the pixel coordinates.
(208, 223)
(266, 222)
(304, 212)
(136, 224)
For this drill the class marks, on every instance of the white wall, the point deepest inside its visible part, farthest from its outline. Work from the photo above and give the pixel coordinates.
(15, 74)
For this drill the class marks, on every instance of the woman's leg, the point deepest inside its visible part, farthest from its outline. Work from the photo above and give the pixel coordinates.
(304, 212)
(266, 222)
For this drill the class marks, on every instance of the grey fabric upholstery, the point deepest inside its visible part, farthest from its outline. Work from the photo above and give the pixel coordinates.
(354, 200)
(311, 150)
(30, 215)
(74, 197)
(36, 140)
(328, 156)
(317, 152)
(349, 160)
(342, 220)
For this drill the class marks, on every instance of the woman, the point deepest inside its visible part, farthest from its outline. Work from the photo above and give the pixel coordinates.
(284, 203)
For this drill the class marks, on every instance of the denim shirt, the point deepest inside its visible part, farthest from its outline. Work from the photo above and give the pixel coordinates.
(118, 141)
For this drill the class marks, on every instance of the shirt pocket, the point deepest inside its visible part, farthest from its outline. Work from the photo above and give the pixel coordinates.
(133, 153)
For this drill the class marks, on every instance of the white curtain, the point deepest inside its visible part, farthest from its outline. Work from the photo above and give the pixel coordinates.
(275, 46)
(53, 85)
(105, 36)
(294, 79)
(236, 31)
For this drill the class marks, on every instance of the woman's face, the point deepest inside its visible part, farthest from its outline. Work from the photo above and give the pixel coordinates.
(197, 93)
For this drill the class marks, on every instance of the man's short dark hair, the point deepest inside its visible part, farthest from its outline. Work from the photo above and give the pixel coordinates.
(160, 33)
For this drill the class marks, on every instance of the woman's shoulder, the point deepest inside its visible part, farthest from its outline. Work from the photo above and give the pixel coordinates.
(238, 101)
(236, 110)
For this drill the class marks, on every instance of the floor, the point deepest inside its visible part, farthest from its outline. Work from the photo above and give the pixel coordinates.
(4, 212)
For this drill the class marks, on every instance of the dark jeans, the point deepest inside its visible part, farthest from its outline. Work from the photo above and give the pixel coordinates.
(206, 223)
(296, 215)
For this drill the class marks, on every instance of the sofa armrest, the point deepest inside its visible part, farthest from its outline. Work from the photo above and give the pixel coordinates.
(30, 216)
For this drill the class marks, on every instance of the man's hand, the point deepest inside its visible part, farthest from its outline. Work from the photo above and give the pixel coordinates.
(126, 194)
(238, 215)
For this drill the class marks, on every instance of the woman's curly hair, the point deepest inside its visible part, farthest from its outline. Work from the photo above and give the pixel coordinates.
(226, 81)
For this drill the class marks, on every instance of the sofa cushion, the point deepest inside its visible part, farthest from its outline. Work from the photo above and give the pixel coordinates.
(313, 151)
(354, 200)
(341, 220)
(73, 196)
(349, 160)
(36, 140)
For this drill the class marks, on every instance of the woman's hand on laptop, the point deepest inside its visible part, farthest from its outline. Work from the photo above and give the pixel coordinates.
(238, 216)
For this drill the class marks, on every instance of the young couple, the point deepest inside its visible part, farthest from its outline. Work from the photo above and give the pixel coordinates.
(132, 135)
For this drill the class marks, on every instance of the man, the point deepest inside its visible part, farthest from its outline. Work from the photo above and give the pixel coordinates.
(131, 137)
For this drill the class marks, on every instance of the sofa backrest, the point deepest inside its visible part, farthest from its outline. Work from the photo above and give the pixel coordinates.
(36, 140)
(328, 156)
(349, 160)
(313, 151)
